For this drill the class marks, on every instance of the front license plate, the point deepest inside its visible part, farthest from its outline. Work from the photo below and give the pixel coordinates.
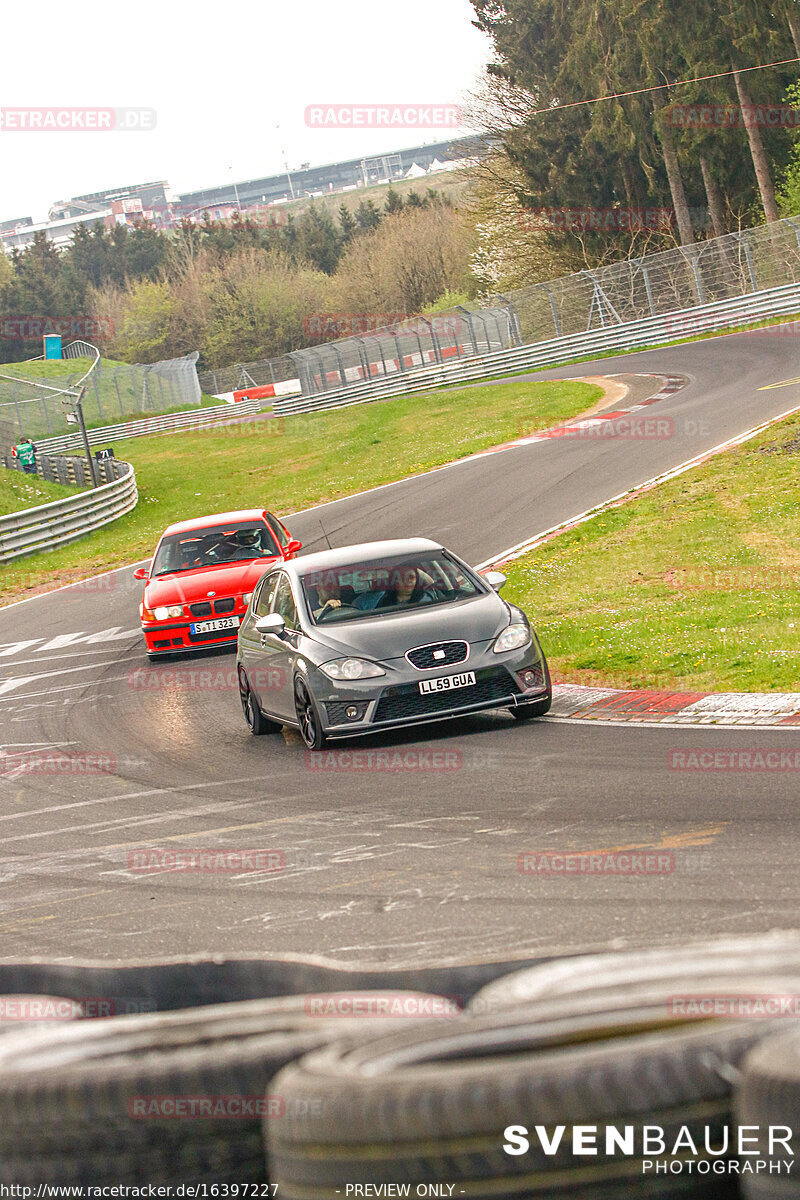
(446, 683)
(207, 626)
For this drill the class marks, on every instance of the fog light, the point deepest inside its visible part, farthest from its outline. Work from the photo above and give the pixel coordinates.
(531, 677)
(351, 712)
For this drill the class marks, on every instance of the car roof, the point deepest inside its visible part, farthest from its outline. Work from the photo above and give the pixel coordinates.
(244, 514)
(345, 555)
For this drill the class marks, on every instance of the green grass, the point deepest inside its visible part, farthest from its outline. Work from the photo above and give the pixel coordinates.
(291, 464)
(695, 585)
(18, 491)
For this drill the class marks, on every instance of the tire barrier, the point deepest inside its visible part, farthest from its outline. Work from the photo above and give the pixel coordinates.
(275, 1071)
(173, 1098)
(768, 1096)
(432, 1105)
(172, 984)
(776, 953)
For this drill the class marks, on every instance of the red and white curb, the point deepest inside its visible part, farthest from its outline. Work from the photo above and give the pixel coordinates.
(605, 424)
(574, 702)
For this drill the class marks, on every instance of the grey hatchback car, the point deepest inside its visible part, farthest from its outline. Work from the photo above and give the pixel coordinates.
(386, 634)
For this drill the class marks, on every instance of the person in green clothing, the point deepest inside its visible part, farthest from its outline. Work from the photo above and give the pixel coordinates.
(25, 451)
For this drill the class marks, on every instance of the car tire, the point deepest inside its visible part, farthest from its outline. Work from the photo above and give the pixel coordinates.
(432, 1104)
(775, 954)
(257, 723)
(68, 1096)
(768, 1095)
(308, 717)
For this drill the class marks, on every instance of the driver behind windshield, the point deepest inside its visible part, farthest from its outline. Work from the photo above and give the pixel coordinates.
(328, 597)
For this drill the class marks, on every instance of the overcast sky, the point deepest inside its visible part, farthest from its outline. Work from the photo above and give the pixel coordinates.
(229, 84)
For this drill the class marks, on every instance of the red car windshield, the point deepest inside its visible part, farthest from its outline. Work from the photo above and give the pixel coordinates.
(217, 544)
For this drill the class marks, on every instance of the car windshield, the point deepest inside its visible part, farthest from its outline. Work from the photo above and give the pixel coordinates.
(372, 589)
(217, 544)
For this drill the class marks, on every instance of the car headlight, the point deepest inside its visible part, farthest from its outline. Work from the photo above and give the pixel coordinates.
(351, 668)
(172, 610)
(513, 637)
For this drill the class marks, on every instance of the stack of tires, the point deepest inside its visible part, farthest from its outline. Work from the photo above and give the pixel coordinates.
(600, 1076)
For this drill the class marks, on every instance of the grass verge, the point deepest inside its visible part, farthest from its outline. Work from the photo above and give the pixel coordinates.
(290, 464)
(18, 491)
(695, 585)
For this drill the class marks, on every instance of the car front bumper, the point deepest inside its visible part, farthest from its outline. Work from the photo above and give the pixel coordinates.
(174, 637)
(395, 701)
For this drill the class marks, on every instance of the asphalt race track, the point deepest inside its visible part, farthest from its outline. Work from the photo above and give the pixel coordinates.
(413, 865)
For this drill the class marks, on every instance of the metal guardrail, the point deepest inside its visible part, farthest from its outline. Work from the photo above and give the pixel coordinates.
(204, 418)
(51, 525)
(669, 327)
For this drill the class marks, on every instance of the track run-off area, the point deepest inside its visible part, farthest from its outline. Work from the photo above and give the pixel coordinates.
(419, 847)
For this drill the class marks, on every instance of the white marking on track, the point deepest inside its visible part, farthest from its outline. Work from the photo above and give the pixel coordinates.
(11, 685)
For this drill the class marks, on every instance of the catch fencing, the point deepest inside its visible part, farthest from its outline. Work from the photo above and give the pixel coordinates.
(32, 407)
(651, 331)
(620, 295)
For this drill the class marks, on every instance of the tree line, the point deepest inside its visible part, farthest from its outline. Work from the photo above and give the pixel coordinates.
(712, 146)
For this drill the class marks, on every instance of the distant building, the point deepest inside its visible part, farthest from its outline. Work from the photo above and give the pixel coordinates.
(150, 201)
(332, 177)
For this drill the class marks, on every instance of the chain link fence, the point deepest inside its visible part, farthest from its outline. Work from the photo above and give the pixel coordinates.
(34, 408)
(684, 277)
(245, 375)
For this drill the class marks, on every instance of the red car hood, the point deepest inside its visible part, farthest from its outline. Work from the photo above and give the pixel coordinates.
(186, 587)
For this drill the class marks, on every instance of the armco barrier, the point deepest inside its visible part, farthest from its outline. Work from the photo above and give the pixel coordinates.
(56, 524)
(199, 418)
(668, 327)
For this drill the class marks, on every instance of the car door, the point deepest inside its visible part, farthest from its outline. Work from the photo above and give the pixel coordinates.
(253, 655)
(279, 650)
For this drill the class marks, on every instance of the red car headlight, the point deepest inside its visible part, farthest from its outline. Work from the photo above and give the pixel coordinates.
(167, 612)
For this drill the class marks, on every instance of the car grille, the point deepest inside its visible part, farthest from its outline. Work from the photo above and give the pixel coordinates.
(225, 606)
(214, 635)
(406, 700)
(337, 712)
(422, 657)
(200, 610)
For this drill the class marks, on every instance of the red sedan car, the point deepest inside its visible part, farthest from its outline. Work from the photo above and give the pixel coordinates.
(203, 572)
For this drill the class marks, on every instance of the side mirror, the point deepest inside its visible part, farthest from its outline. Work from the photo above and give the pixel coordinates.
(141, 573)
(495, 579)
(292, 547)
(272, 623)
